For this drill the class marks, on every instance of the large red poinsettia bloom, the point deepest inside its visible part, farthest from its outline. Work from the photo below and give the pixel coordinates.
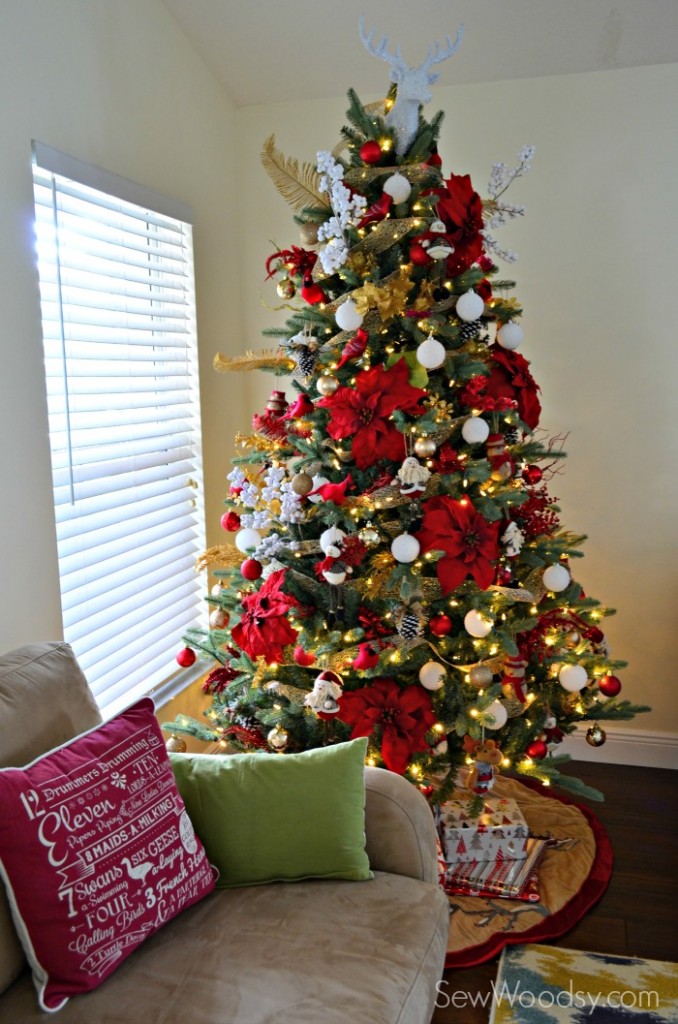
(363, 412)
(470, 543)
(402, 716)
(461, 209)
(510, 377)
(263, 628)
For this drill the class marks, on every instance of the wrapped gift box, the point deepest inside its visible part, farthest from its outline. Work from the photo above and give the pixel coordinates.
(498, 833)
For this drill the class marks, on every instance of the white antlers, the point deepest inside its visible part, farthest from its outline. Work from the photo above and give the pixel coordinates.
(413, 83)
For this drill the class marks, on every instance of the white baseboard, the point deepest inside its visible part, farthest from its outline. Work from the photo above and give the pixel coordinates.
(623, 746)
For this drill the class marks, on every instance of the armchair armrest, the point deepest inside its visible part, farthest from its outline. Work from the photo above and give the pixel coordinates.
(399, 826)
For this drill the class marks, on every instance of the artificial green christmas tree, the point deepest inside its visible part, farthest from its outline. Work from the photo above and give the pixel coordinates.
(400, 570)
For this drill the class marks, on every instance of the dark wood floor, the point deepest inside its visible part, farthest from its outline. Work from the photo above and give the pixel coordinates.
(638, 914)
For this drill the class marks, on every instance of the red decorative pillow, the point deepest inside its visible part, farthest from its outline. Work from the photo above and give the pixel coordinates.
(97, 852)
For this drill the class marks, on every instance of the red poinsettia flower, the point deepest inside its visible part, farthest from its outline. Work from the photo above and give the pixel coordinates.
(263, 628)
(470, 543)
(510, 377)
(475, 396)
(403, 716)
(372, 623)
(219, 678)
(363, 412)
(461, 210)
(446, 459)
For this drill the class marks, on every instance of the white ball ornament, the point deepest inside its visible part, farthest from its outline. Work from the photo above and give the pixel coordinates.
(495, 716)
(318, 481)
(556, 578)
(431, 354)
(475, 430)
(510, 335)
(347, 316)
(405, 548)
(573, 678)
(398, 188)
(246, 539)
(476, 624)
(431, 675)
(470, 306)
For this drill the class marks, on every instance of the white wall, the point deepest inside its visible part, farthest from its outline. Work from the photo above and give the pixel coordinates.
(115, 83)
(598, 262)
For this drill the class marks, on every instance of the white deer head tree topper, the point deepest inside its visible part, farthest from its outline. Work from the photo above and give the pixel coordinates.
(413, 83)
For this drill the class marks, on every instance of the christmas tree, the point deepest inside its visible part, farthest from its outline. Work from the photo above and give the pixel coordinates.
(400, 570)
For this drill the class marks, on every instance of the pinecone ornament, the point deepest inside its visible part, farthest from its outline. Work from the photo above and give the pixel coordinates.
(411, 622)
(306, 358)
(469, 330)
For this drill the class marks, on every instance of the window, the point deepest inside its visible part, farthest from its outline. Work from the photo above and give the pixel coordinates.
(118, 316)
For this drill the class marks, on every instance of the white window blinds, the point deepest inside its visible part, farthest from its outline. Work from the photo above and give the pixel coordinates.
(118, 313)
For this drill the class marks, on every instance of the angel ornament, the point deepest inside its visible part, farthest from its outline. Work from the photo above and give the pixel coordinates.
(412, 477)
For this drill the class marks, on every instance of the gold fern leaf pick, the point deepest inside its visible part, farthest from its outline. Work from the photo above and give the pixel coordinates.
(269, 359)
(298, 185)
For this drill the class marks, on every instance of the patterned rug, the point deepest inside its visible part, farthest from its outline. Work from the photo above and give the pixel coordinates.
(548, 985)
(572, 878)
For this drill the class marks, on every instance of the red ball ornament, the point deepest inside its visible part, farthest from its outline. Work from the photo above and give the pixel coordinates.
(532, 474)
(230, 521)
(251, 569)
(536, 750)
(504, 576)
(418, 255)
(370, 152)
(440, 625)
(609, 686)
(186, 657)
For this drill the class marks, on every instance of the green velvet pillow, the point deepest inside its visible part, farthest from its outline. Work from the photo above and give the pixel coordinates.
(279, 817)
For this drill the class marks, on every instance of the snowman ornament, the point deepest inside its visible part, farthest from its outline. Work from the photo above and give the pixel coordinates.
(334, 571)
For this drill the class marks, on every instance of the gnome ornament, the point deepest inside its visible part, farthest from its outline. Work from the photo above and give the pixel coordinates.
(324, 697)
(513, 539)
(412, 477)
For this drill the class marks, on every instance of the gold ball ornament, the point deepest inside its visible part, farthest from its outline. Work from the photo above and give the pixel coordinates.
(176, 745)
(302, 483)
(327, 385)
(480, 675)
(368, 535)
(286, 289)
(425, 447)
(278, 738)
(219, 618)
(595, 736)
(308, 234)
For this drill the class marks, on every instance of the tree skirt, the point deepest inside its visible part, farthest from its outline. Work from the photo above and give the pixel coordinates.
(571, 880)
